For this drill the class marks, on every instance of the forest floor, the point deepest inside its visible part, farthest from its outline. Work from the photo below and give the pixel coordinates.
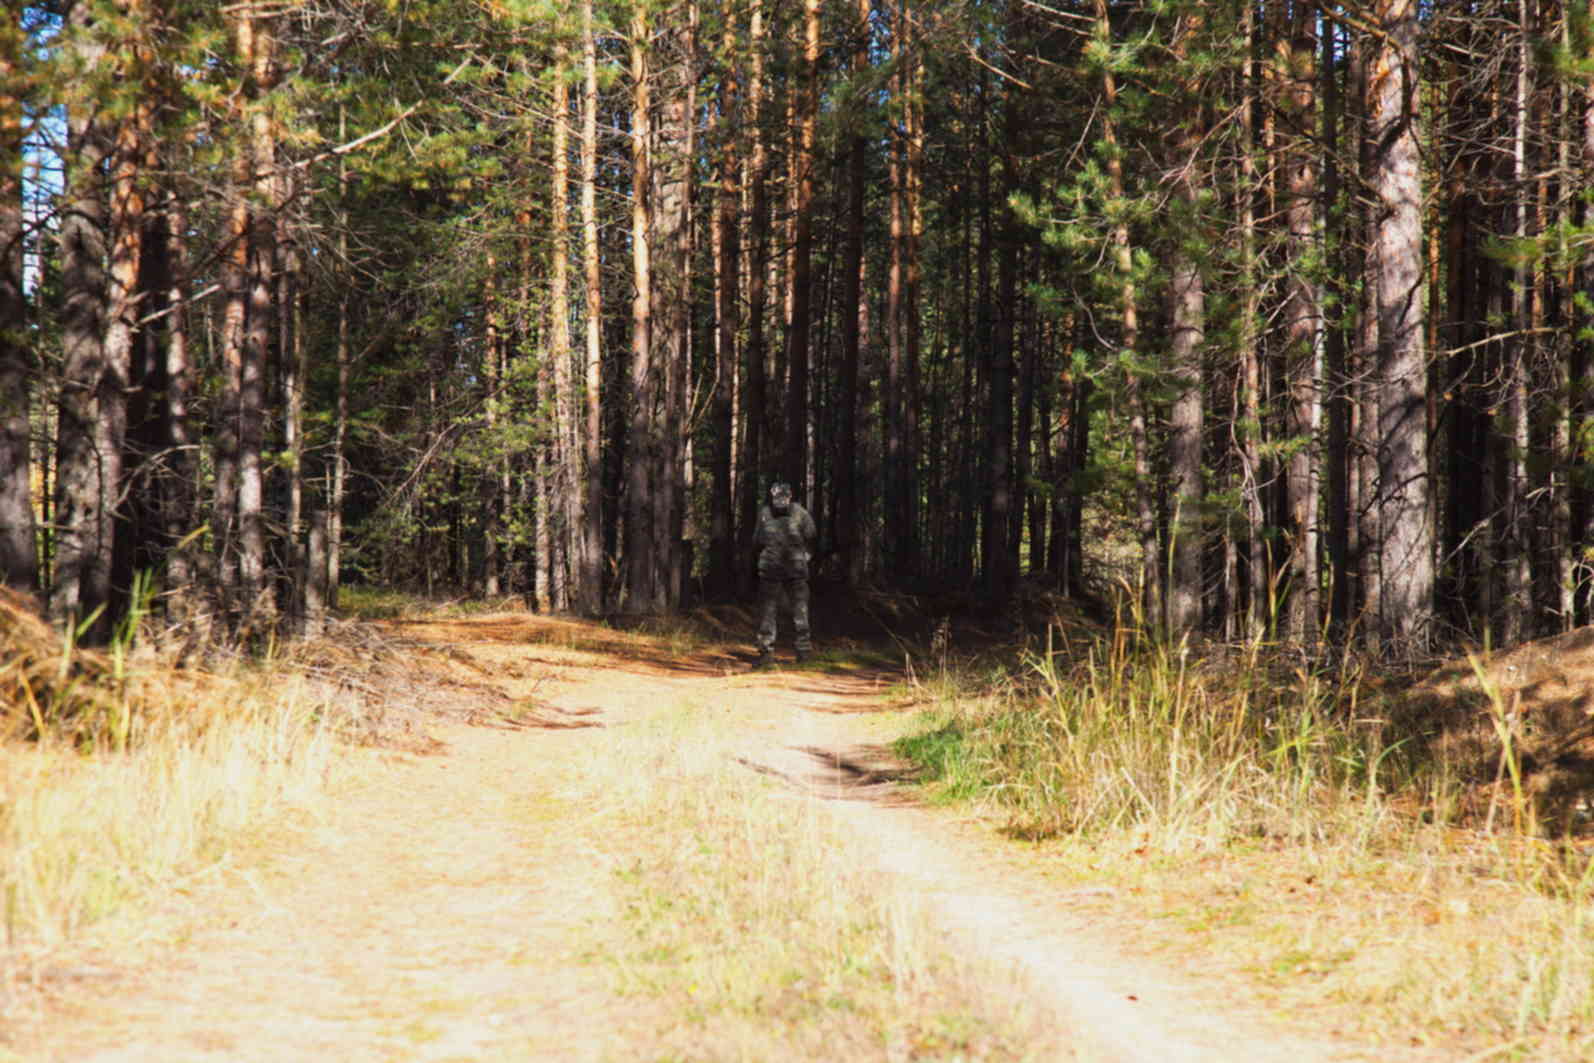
(473, 895)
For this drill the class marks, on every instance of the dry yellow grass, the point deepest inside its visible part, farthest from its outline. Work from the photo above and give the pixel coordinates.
(745, 911)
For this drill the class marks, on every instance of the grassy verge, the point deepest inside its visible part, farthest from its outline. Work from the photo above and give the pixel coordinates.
(738, 908)
(1275, 821)
(119, 773)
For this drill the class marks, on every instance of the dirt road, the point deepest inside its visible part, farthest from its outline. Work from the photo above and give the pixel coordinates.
(441, 907)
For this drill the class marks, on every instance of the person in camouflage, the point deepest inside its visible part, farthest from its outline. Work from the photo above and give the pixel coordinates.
(785, 541)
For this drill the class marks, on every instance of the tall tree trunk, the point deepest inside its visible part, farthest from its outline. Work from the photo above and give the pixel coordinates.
(1122, 257)
(794, 461)
(1337, 376)
(563, 505)
(845, 512)
(1256, 582)
(1582, 357)
(913, 180)
(19, 559)
(670, 214)
(588, 567)
(340, 416)
(178, 488)
(1302, 325)
(642, 444)
(88, 441)
(494, 502)
(257, 597)
(1186, 426)
(1404, 493)
(899, 529)
(294, 369)
(726, 238)
(755, 414)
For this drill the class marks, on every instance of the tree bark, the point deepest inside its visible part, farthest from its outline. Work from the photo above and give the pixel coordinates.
(642, 444)
(564, 504)
(1186, 422)
(1122, 258)
(794, 462)
(19, 559)
(1403, 489)
(726, 238)
(755, 413)
(588, 565)
(1302, 326)
(90, 414)
(845, 517)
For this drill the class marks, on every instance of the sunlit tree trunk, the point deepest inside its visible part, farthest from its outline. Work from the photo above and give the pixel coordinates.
(494, 502)
(642, 525)
(588, 563)
(340, 415)
(564, 504)
(1403, 490)
(1256, 580)
(1186, 423)
(754, 412)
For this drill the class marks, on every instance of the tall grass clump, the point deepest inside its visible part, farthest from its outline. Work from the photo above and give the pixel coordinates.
(120, 773)
(1136, 734)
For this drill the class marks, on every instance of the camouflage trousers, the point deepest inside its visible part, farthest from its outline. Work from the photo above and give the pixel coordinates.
(772, 593)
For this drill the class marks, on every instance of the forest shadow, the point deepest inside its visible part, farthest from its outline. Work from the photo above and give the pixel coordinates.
(869, 773)
(1533, 703)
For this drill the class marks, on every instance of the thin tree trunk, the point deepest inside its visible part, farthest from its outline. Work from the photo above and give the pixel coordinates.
(726, 239)
(845, 516)
(913, 180)
(340, 421)
(795, 458)
(755, 413)
(178, 496)
(642, 458)
(588, 567)
(19, 559)
(564, 504)
(898, 524)
(1187, 426)
(494, 504)
(1256, 582)
(290, 303)
(1122, 257)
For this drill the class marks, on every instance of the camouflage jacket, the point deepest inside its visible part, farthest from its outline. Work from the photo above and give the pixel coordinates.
(785, 541)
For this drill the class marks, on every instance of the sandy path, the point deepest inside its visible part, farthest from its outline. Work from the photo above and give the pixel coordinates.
(438, 909)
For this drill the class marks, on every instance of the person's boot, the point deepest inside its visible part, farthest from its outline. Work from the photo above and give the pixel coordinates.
(803, 655)
(765, 659)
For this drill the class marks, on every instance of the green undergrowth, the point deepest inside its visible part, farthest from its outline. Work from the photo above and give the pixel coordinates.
(1285, 819)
